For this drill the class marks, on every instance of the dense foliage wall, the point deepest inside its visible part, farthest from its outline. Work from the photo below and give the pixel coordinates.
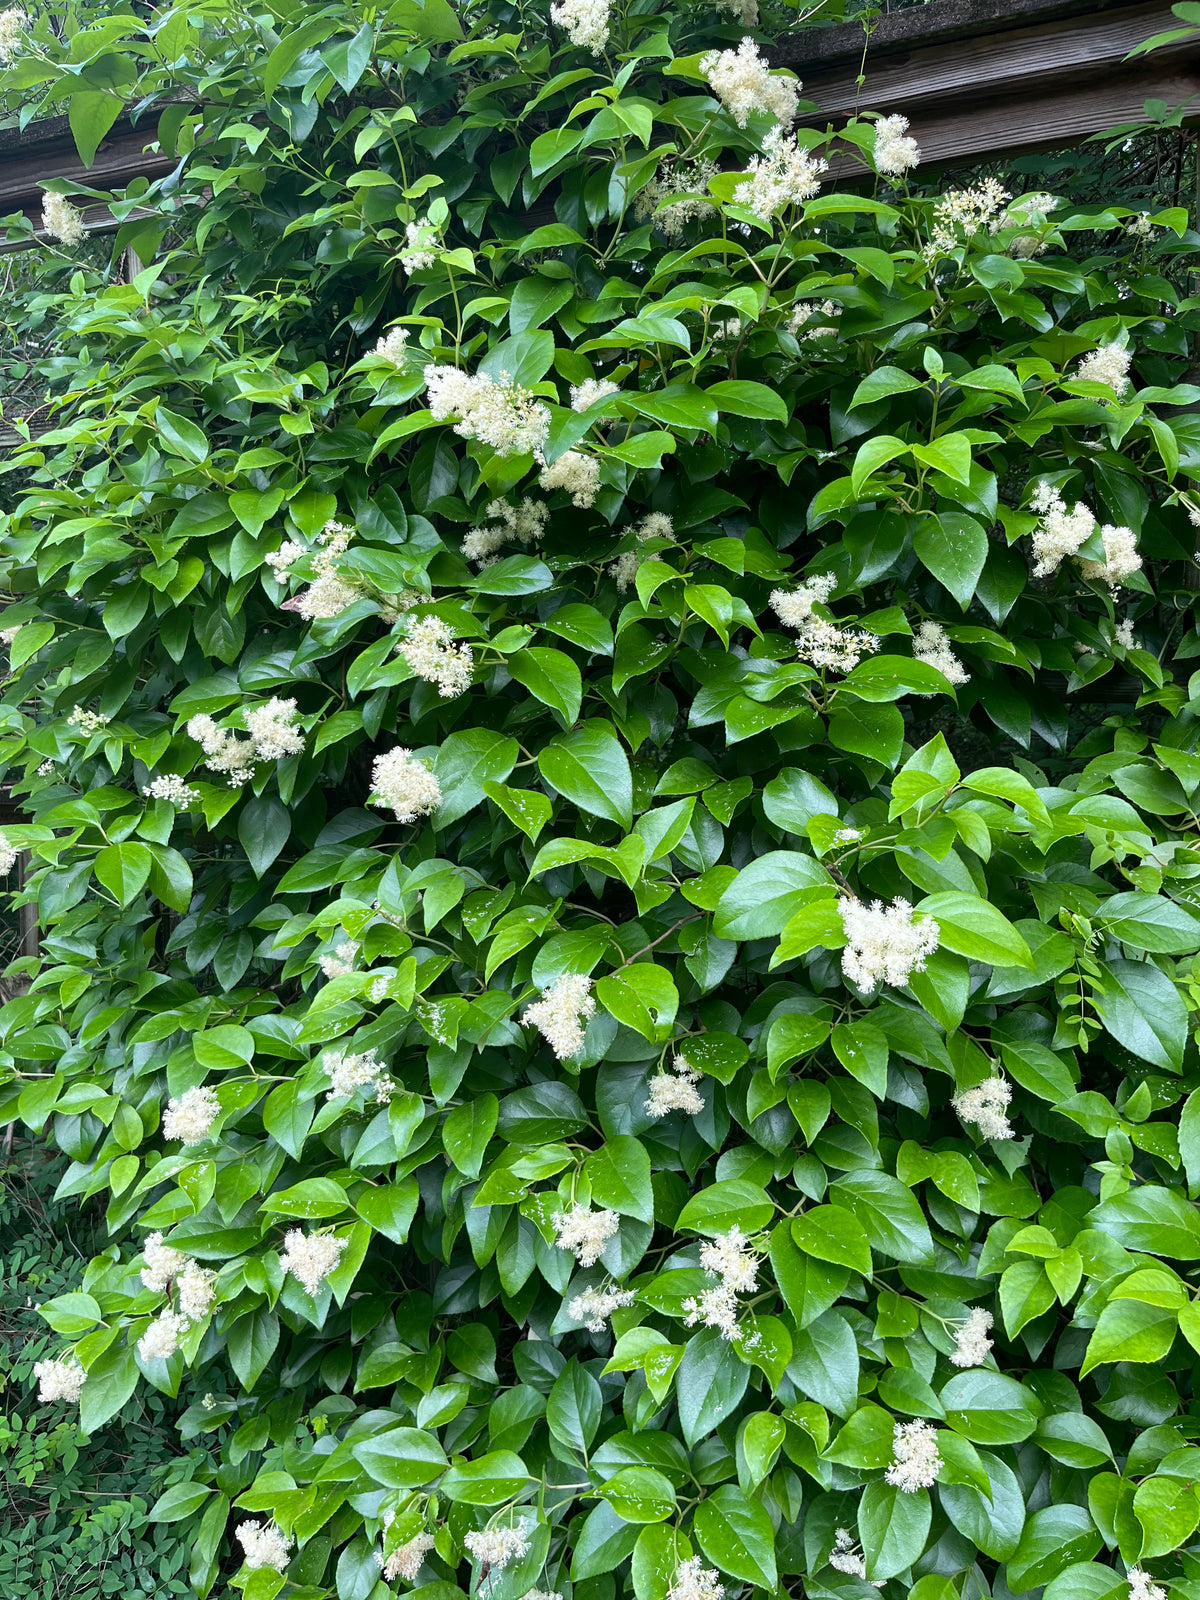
(606, 720)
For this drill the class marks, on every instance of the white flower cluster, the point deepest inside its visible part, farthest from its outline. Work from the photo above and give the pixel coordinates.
(962, 213)
(417, 255)
(393, 347)
(1032, 211)
(1060, 533)
(1123, 634)
(311, 1257)
(971, 1342)
(594, 1306)
(195, 1286)
(784, 175)
(671, 215)
(896, 151)
(330, 593)
(694, 1581)
(494, 1548)
(743, 11)
(1109, 365)
(13, 25)
(557, 1016)
(348, 1074)
(986, 1105)
(8, 857)
(88, 722)
(675, 1091)
(272, 731)
(846, 1557)
(585, 1232)
(406, 1560)
(407, 785)
(171, 787)
(931, 646)
(585, 22)
(591, 391)
(432, 653)
(916, 1460)
(58, 1380)
(578, 474)
(60, 219)
(161, 1339)
(1143, 1587)
(654, 525)
(729, 1258)
(7, 635)
(510, 524)
(1140, 228)
(264, 1546)
(744, 84)
(883, 943)
(190, 1117)
(801, 321)
(497, 413)
(822, 644)
(339, 963)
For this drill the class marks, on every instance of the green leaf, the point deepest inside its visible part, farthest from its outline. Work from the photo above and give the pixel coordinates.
(91, 114)
(745, 399)
(764, 895)
(735, 1534)
(976, 929)
(954, 548)
(619, 1173)
(834, 1234)
(408, 1458)
(893, 1526)
(733, 1201)
(553, 677)
(1144, 1011)
(589, 767)
(990, 1408)
(124, 869)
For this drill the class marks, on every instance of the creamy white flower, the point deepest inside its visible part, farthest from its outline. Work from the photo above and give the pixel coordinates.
(743, 11)
(431, 651)
(190, 1117)
(272, 731)
(1123, 634)
(509, 524)
(1143, 1587)
(340, 962)
(161, 1339)
(801, 320)
(60, 219)
(285, 557)
(58, 1380)
(675, 1091)
(162, 1263)
(1121, 558)
(784, 175)
(348, 1074)
(585, 22)
(498, 413)
(1059, 532)
(916, 1460)
(674, 197)
(197, 1287)
(594, 1306)
(578, 474)
(883, 943)
(327, 596)
(713, 1308)
(13, 26)
(962, 213)
(8, 856)
(496, 1547)
(264, 1546)
(405, 784)
(171, 787)
(731, 1258)
(393, 346)
(406, 1560)
(933, 648)
(591, 391)
(985, 1104)
(585, 1232)
(795, 607)
(417, 254)
(971, 1342)
(558, 1014)
(744, 84)
(896, 151)
(654, 525)
(1109, 365)
(824, 645)
(694, 1581)
(847, 836)
(311, 1257)
(7, 635)
(88, 722)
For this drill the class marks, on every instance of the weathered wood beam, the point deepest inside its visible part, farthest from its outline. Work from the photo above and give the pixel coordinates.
(980, 77)
(32, 156)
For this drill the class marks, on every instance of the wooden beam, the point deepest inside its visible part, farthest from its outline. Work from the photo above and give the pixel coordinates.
(980, 77)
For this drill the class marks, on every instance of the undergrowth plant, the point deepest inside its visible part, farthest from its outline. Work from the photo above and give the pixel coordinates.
(603, 688)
